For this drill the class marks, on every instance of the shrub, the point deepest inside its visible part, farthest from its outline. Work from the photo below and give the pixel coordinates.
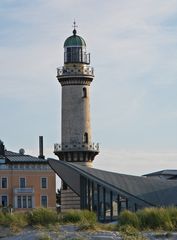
(172, 211)
(72, 216)
(84, 218)
(88, 220)
(2, 218)
(44, 237)
(42, 216)
(155, 218)
(15, 221)
(130, 233)
(150, 218)
(128, 218)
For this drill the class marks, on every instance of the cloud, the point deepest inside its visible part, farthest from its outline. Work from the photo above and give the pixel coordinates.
(127, 161)
(136, 162)
(133, 49)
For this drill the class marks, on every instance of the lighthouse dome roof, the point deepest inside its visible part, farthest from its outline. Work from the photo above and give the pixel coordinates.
(74, 41)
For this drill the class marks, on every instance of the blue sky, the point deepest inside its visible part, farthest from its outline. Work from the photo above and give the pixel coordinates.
(133, 46)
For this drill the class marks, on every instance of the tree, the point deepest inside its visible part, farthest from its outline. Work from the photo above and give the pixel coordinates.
(58, 196)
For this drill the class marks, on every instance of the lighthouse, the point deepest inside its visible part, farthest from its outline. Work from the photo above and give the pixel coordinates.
(75, 77)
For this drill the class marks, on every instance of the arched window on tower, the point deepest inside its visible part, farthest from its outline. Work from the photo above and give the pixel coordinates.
(85, 137)
(84, 94)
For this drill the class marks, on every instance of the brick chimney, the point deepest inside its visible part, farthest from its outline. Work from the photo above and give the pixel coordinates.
(41, 147)
(2, 149)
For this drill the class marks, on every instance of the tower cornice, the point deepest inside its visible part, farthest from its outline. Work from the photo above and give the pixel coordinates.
(75, 81)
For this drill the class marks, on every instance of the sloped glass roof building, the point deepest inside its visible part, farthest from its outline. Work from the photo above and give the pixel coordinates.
(109, 193)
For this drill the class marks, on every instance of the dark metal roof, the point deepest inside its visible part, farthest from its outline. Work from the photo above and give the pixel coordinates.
(17, 157)
(75, 41)
(164, 174)
(142, 190)
(171, 172)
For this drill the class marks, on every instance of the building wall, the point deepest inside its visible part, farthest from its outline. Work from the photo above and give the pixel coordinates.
(75, 114)
(69, 200)
(32, 188)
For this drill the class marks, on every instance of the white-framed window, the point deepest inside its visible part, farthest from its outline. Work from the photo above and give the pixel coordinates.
(44, 182)
(44, 201)
(19, 202)
(22, 182)
(4, 200)
(24, 201)
(4, 182)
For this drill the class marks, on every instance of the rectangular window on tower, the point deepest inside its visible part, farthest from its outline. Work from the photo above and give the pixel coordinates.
(85, 138)
(84, 93)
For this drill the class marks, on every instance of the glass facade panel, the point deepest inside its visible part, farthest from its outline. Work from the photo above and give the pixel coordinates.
(104, 202)
(94, 197)
(123, 204)
(108, 205)
(101, 204)
(114, 205)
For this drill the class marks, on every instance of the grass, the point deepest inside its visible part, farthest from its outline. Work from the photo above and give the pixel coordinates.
(15, 221)
(72, 216)
(150, 219)
(128, 232)
(44, 237)
(42, 216)
(129, 224)
(84, 219)
(129, 218)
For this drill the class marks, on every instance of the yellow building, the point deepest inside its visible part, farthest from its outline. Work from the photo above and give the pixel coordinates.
(26, 182)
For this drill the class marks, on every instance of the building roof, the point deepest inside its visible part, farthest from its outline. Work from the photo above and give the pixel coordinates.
(166, 174)
(17, 158)
(141, 190)
(172, 172)
(74, 41)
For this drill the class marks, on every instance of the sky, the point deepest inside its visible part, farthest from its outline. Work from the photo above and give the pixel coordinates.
(133, 46)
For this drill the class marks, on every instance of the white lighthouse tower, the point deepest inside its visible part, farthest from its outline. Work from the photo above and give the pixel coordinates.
(75, 78)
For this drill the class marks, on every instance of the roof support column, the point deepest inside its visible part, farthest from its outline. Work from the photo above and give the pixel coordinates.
(98, 201)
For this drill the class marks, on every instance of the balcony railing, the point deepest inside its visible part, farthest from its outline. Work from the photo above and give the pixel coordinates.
(24, 190)
(75, 71)
(76, 147)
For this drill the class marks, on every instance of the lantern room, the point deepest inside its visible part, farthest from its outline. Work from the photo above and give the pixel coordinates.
(75, 50)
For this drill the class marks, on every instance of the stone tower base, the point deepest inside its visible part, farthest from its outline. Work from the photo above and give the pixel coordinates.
(69, 200)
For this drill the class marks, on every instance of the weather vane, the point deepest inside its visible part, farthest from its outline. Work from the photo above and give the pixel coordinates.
(74, 26)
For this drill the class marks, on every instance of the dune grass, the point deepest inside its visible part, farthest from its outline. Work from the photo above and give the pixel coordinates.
(147, 219)
(150, 219)
(83, 218)
(42, 216)
(15, 221)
